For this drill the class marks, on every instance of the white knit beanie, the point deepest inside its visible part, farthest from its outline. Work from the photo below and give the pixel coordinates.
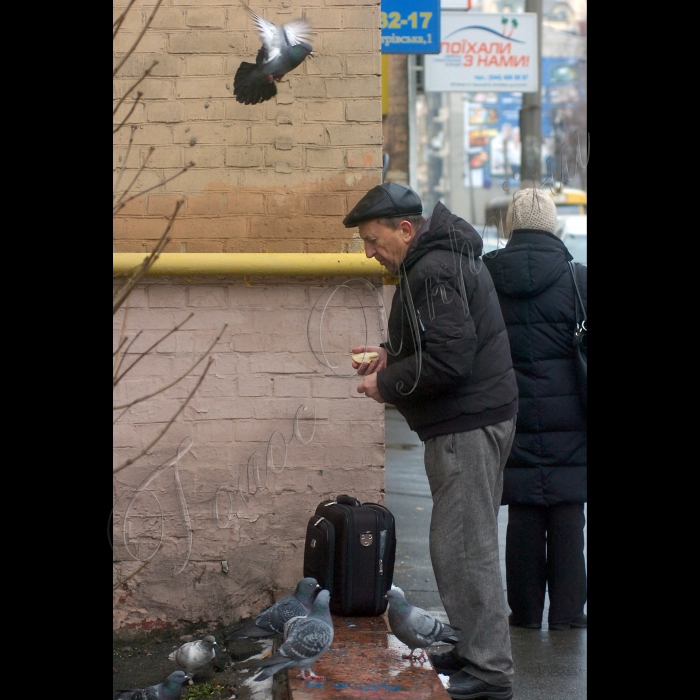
(531, 208)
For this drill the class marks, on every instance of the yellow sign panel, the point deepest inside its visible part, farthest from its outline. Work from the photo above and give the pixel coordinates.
(385, 84)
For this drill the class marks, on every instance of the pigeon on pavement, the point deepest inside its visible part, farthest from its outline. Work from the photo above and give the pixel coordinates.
(415, 627)
(194, 656)
(270, 622)
(169, 689)
(283, 49)
(309, 638)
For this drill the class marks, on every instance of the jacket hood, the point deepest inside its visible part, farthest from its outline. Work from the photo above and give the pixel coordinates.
(447, 232)
(530, 263)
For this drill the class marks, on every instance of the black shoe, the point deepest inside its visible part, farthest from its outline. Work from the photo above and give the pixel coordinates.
(526, 625)
(447, 663)
(581, 622)
(463, 686)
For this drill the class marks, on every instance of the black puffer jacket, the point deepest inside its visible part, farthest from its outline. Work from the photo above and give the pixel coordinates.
(547, 464)
(466, 378)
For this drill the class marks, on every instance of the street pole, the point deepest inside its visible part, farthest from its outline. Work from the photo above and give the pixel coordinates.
(531, 115)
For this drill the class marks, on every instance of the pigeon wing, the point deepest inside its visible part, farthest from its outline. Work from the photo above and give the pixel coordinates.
(291, 623)
(424, 627)
(150, 693)
(297, 31)
(274, 617)
(309, 638)
(270, 34)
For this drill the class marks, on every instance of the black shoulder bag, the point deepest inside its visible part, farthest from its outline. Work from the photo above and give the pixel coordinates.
(580, 342)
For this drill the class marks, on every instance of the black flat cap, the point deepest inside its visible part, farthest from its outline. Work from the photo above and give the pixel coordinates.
(385, 200)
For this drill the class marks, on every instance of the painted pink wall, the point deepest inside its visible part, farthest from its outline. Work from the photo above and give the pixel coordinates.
(263, 372)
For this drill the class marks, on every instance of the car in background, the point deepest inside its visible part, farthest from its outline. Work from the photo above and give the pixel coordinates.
(573, 231)
(490, 238)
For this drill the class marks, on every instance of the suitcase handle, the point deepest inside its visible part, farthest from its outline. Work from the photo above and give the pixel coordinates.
(348, 500)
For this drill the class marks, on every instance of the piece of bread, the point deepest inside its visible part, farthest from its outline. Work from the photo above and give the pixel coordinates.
(367, 357)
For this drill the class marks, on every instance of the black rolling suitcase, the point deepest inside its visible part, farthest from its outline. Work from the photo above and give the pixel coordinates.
(350, 550)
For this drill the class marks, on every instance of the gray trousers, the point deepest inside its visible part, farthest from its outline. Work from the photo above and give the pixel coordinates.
(465, 471)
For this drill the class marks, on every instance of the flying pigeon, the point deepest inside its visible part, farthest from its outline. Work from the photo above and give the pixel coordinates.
(169, 689)
(415, 627)
(282, 50)
(194, 656)
(309, 638)
(270, 622)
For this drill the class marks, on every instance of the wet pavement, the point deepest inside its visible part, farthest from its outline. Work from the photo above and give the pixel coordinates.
(548, 665)
(365, 662)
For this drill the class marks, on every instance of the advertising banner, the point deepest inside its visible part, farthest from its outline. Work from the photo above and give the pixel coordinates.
(410, 26)
(483, 51)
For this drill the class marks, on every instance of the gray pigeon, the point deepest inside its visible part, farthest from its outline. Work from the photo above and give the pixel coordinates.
(169, 689)
(283, 49)
(270, 622)
(194, 656)
(309, 638)
(415, 627)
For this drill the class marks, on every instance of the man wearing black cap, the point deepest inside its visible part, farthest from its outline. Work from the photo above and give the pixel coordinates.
(446, 366)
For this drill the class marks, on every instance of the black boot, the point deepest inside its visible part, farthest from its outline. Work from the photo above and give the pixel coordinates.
(463, 686)
(581, 621)
(448, 663)
(526, 625)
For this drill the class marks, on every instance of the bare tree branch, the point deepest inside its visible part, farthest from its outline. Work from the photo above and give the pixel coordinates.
(139, 95)
(121, 345)
(126, 157)
(131, 460)
(138, 39)
(131, 575)
(146, 73)
(143, 268)
(173, 383)
(162, 182)
(124, 354)
(122, 339)
(119, 21)
(136, 177)
(155, 345)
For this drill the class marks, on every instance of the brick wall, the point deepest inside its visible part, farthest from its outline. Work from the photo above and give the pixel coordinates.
(277, 176)
(263, 371)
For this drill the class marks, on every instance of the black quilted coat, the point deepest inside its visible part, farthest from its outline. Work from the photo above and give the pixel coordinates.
(547, 464)
(447, 302)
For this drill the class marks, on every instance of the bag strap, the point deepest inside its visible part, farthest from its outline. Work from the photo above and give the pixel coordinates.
(580, 325)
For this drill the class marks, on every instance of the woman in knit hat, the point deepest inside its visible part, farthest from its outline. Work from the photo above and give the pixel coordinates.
(545, 476)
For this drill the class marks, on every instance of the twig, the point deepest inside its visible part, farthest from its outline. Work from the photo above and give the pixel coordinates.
(138, 39)
(140, 271)
(169, 423)
(118, 22)
(162, 182)
(124, 354)
(132, 574)
(116, 420)
(143, 268)
(139, 95)
(155, 345)
(120, 346)
(180, 378)
(126, 157)
(122, 339)
(146, 73)
(136, 177)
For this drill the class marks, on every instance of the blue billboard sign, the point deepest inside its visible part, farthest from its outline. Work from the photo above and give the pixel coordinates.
(410, 26)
